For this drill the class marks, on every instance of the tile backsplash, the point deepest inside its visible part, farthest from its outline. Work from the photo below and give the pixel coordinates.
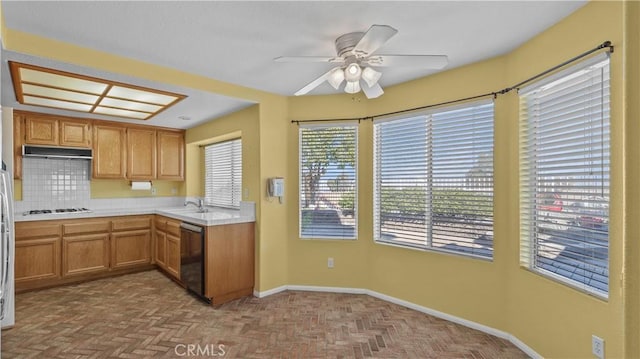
(56, 183)
(62, 183)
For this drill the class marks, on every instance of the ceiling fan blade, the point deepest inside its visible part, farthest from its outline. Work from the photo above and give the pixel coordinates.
(304, 59)
(373, 91)
(424, 61)
(315, 83)
(375, 37)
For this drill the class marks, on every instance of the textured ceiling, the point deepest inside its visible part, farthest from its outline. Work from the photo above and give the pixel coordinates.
(236, 41)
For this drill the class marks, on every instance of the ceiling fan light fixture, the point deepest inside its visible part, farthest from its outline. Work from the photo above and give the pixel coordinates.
(352, 72)
(371, 76)
(335, 78)
(352, 87)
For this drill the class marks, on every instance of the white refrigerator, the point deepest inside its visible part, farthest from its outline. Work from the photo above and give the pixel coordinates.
(7, 250)
(7, 238)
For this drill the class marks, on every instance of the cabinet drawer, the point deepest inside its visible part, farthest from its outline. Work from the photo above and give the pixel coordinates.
(131, 223)
(173, 227)
(32, 230)
(85, 227)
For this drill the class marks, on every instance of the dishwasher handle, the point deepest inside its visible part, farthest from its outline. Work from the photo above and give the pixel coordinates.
(191, 227)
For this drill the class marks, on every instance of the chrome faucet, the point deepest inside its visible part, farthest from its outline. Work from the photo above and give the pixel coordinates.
(199, 204)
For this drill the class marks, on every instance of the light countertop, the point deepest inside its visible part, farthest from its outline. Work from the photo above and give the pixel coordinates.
(214, 216)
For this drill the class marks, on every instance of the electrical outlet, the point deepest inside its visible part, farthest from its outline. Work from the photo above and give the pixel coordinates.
(174, 191)
(330, 262)
(246, 193)
(597, 346)
(153, 191)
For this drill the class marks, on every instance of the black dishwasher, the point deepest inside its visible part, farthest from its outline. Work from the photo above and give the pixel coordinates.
(192, 259)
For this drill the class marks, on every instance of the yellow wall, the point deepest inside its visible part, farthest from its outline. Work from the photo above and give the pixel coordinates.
(308, 258)
(632, 176)
(122, 188)
(548, 316)
(552, 318)
(274, 149)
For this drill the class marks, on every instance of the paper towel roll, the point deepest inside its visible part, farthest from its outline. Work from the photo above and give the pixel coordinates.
(141, 186)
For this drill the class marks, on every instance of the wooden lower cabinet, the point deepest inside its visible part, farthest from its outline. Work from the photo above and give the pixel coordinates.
(37, 260)
(167, 245)
(84, 254)
(161, 248)
(50, 253)
(229, 261)
(173, 255)
(130, 248)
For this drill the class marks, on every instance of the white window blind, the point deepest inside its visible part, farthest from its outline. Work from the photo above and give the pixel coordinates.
(433, 180)
(223, 174)
(328, 182)
(564, 176)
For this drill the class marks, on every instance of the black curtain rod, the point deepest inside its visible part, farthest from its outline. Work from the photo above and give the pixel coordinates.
(604, 45)
(492, 94)
(330, 120)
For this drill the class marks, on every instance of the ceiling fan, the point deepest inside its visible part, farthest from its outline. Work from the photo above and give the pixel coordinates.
(356, 62)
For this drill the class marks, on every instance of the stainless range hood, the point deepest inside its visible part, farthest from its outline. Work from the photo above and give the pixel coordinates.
(57, 152)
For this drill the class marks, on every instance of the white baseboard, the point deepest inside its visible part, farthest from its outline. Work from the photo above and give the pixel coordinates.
(452, 318)
(270, 291)
(311, 288)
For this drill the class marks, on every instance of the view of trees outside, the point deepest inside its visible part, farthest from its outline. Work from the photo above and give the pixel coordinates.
(434, 180)
(328, 181)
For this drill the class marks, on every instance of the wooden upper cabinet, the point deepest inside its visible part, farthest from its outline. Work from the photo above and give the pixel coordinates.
(170, 155)
(109, 152)
(41, 130)
(55, 131)
(75, 133)
(141, 154)
(120, 151)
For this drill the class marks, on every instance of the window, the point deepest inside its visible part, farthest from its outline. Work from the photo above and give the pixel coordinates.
(564, 176)
(223, 174)
(328, 182)
(433, 180)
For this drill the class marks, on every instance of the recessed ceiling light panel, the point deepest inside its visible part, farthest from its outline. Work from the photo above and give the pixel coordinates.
(46, 102)
(59, 81)
(120, 113)
(140, 95)
(129, 105)
(40, 86)
(48, 92)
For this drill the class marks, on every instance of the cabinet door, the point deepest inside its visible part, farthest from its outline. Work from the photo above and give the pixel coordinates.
(41, 130)
(37, 259)
(161, 249)
(230, 255)
(109, 152)
(171, 155)
(141, 154)
(173, 255)
(85, 254)
(75, 133)
(130, 248)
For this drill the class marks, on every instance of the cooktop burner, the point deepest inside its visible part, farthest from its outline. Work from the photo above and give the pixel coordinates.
(57, 210)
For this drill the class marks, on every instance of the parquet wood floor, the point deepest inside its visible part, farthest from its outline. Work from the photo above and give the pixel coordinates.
(145, 315)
